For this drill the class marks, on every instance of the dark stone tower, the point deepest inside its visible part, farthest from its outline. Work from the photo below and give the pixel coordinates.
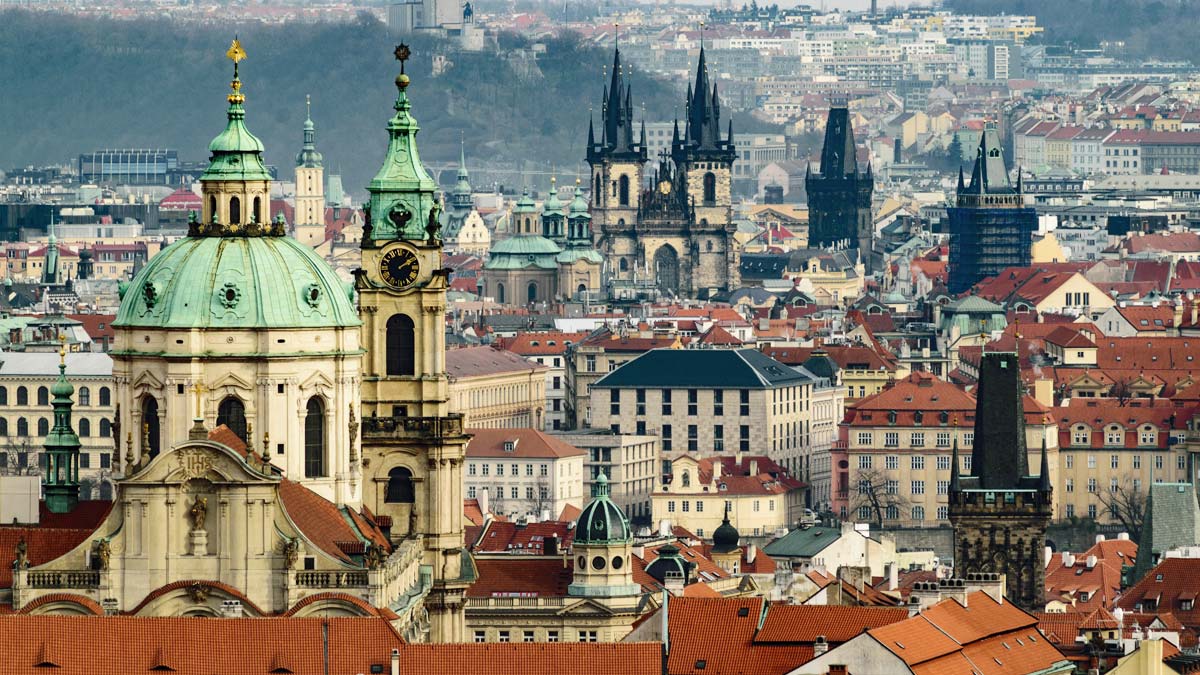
(839, 195)
(990, 227)
(1000, 511)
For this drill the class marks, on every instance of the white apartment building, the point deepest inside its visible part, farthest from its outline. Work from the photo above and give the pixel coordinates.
(526, 472)
(632, 464)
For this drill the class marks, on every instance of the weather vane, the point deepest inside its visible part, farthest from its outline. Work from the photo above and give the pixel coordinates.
(402, 53)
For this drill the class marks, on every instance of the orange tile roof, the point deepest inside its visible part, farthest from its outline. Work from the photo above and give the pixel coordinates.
(324, 524)
(545, 343)
(43, 544)
(527, 444)
(533, 658)
(804, 623)
(1180, 577)
(500, 576)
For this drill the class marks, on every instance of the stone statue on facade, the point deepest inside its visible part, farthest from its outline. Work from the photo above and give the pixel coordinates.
(199, 513)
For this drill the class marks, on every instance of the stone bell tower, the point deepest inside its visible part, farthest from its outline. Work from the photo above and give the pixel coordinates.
(413, 446)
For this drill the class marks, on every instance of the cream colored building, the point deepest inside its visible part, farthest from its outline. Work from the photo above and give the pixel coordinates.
(708, 401)
(527, 473)
(700, 490)
(310, 187)
(26, 416)
(899, 446)
(496, 388)
(474, 237)
(632, 465)
(593, 358)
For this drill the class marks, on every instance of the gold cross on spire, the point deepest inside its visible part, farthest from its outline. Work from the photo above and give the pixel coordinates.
(235, 53)
(402, 53)
(198, 389)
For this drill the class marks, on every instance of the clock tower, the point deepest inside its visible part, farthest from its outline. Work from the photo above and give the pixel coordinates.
(413, 446)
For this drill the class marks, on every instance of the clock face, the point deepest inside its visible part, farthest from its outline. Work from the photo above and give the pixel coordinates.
(399, 267)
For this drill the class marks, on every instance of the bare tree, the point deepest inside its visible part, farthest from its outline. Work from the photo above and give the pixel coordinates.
(876, 493)
(1127, 506)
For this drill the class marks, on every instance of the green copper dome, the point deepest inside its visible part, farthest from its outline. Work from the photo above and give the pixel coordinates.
(236, 154)
(553, 206)
(237, 282)
(525, 204)
(579, 206)
(575, 254)
(601, 521)
(669, 563)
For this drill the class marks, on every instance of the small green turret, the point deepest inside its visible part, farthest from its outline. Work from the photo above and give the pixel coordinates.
(61, 484)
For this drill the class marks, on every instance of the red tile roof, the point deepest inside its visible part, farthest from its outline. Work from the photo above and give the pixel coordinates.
(1166, 586)
(533, 658)
(501, 576)
(526, 444)
(804, 623)
(323, 523)
(308, 646)
(43, 544)
(716, 335)
(482, 361)
(541, 344)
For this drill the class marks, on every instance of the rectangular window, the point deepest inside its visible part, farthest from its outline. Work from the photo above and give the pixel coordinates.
(891, 439)
(670, 507)
(699, 506)
(551, 636)
(528, 469)
(968, 439)
(685, 506)
(480, 636)
(1158, 461)
(864, 438)
(756, 506)
(105, 461)
(943, 487)
(543, 470)
(692, 440)
(918, 462)
(640, 427)
(891, 462)
(528, 492)
(1092, 511)
(1091, 461)
(744, 405)
(1148, 437)
(504, 636)
(1114, 461)
(1092, 485)
(587, 636)
(513, 492)
(718, 403)
(918, 439)
(692, 402)
(918, 487)
(527, 636)
(864, 461)
(471, 469)
(1070, 510)
(499, 469)
(85, 460)
(1137, 461)
(943, 439)
(486, 468)
(744, 438)
(943, 462)
(590, 363)
(666, 401)
(893, 487)
(1069, 460)
(1070, 485)
(1180, 462)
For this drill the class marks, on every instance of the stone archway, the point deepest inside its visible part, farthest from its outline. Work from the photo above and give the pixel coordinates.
(666, 269)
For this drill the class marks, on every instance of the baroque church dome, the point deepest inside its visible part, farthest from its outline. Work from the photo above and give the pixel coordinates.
(601, 521)
(237, 282)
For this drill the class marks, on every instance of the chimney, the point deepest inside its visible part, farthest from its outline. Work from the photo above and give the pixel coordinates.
(1068, 559)
(893, 576)
(231, 609)
(483, 502)
(1124, 536)
(751, 554)
(1091, 562)
(764, 323)
(638, 551)
(717, 468)
(395, 661)
(1099, 538)
(754, 467)
(1047, 552)
(820, 646)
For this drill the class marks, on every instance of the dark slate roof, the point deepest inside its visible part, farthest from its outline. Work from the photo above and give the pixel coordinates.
(803, 543)
(704, 368)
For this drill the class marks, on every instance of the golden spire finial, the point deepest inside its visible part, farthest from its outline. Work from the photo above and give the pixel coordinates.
(402, 54)
(235, 53)
(62, 349)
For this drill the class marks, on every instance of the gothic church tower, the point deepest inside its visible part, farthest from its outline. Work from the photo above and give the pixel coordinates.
(413, 446)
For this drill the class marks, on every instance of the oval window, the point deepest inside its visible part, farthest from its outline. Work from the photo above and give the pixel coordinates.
(582, 562)
(617, 562)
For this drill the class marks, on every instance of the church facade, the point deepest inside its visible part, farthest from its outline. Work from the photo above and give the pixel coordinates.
(281, 451)
(670, 229)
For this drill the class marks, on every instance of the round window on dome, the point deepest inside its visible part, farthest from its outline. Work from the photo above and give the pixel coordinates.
(582, 562)
(617, 562)
(598, 562)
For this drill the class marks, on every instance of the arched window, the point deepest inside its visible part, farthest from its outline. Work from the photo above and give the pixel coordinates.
(255, 216)
(235, 211)
(3, 426)
(85, 396)
(710, 188)
(500, 293)
(150, 435)
(43, 396)
(596, 191)
(623, 190)
(400, 487)
(582, 289)
(314, 439)
(401, 346)
(105, 396)
(22, 427)
(623, 265)
(531, 292)
(212, 208)
(918, 513)
(3, 395)
(85, 427)
(43, 426)
(22, 396)
(232, 413)
(105, 427)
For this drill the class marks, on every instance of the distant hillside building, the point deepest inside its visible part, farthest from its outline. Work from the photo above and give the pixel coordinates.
(990, 227)
(839, 195)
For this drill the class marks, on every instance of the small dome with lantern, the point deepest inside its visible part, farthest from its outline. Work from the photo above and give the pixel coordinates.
(601, 521)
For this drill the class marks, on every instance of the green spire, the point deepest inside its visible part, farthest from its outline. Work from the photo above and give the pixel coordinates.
(62, 445)
(236, 153)
(402, 193)
(50, 265)
(309, 157)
